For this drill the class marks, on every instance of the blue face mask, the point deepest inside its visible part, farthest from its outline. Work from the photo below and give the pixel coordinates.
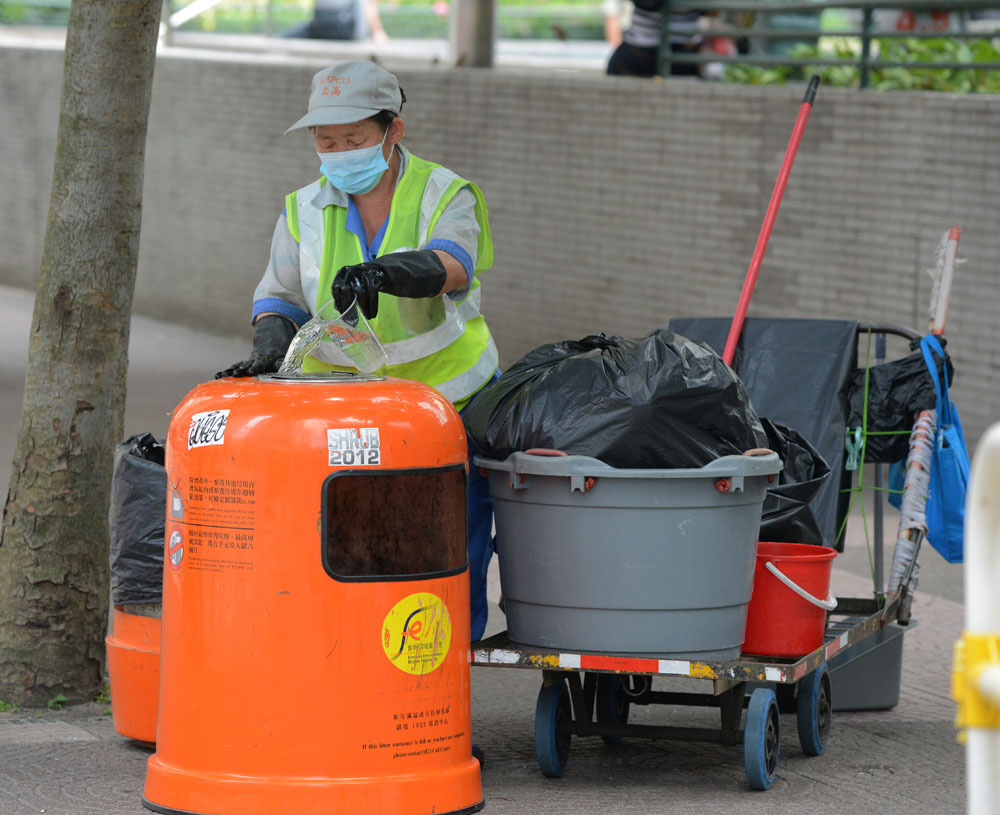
(355, 171)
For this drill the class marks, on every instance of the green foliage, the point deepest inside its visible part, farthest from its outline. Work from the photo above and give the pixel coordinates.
(57, 702)
(516, 19)
(104, 697)
(953, 80)
(35, 12)
(12, 13)
(8, 706)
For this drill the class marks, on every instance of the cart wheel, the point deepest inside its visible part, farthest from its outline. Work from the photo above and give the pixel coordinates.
(612, 704)
(552, 715)
(761, 739)
(814, 711)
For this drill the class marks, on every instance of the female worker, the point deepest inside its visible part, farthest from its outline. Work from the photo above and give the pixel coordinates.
(404, 237)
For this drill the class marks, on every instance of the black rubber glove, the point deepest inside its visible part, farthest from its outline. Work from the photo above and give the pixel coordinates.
(272, 334)
(418, 273)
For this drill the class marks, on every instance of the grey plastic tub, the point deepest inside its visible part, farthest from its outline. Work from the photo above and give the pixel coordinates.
(632, 562)
(866, 675)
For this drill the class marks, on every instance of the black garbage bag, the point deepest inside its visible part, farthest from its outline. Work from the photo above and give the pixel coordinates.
(897, 392)
(786, 516)
(137, 520)
(661, 401)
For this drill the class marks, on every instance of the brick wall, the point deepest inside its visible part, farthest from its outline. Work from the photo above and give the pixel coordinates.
(615, 204)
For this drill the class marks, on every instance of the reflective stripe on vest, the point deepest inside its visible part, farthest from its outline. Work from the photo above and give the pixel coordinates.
(461, 387)
(435, 186)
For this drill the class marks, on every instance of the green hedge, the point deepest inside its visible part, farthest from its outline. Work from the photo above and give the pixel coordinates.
(413, 19)
(516, 19)
(961, 80)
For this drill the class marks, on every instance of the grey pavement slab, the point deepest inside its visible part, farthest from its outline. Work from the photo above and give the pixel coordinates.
(904, 760)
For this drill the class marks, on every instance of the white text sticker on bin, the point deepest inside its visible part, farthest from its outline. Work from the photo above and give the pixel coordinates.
(207, 428)
(354, 446)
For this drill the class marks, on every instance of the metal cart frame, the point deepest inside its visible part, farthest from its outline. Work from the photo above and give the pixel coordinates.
(589, 694)
(597, 703)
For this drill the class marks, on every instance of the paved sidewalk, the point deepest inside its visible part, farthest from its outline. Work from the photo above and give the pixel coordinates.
(905, 760)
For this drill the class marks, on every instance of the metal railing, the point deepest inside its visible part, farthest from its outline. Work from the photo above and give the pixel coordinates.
(751, 21)
(760, 25)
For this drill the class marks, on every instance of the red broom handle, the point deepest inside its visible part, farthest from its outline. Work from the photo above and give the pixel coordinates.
(765, 231)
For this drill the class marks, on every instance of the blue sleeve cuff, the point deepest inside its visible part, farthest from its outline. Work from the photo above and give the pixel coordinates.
(457, 252)
(282, 307)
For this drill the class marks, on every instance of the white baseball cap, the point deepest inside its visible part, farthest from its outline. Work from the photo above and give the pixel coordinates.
(350, 92)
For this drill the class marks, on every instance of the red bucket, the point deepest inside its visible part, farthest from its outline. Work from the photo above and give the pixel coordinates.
(791, 597)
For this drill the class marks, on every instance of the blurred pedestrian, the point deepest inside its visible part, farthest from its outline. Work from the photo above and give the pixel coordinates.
(617, 15)
(639, 49)
(342, 20)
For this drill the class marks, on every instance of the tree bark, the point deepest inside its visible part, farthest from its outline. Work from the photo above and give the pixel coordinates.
(54, 536)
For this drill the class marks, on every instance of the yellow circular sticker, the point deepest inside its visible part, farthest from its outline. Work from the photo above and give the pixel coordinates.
(416, 633)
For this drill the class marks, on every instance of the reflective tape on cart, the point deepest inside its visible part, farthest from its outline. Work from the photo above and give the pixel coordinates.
(836, 645)
(620, 664)
(636, 665)
(595, 662)
(498, 650)
(495, 656)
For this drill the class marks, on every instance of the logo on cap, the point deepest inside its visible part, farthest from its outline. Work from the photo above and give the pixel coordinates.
(335, 81)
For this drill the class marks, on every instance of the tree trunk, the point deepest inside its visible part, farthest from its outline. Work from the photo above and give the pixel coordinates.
(54, 537)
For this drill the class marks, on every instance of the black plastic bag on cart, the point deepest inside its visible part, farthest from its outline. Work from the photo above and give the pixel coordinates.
(661, 401)
(136, 520)
(786, 516)
(897, 392)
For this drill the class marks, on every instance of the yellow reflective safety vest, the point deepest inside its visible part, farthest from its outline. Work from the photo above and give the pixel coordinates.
(434, 340)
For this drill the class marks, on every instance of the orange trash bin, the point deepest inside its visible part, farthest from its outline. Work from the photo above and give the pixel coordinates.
(133, 649)
(315, 649)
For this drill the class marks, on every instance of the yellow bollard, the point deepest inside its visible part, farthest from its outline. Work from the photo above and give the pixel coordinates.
(976, 673)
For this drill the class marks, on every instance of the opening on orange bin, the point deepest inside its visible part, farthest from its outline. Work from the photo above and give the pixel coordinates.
(394, 524)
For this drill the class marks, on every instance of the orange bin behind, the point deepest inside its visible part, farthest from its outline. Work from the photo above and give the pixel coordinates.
(133, 649)
(315, 650)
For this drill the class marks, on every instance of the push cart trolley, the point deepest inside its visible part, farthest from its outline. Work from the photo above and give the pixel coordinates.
(586, 694)
(597, 704)
(590, 693)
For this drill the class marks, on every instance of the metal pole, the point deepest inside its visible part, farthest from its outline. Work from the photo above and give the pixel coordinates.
(663, 54)
(866, 46)
(879, 508)
(269, 19)
(168, 29)
(473, 33)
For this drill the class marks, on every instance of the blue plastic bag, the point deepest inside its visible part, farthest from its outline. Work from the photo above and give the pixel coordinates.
(949, 477)
(897, 480)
